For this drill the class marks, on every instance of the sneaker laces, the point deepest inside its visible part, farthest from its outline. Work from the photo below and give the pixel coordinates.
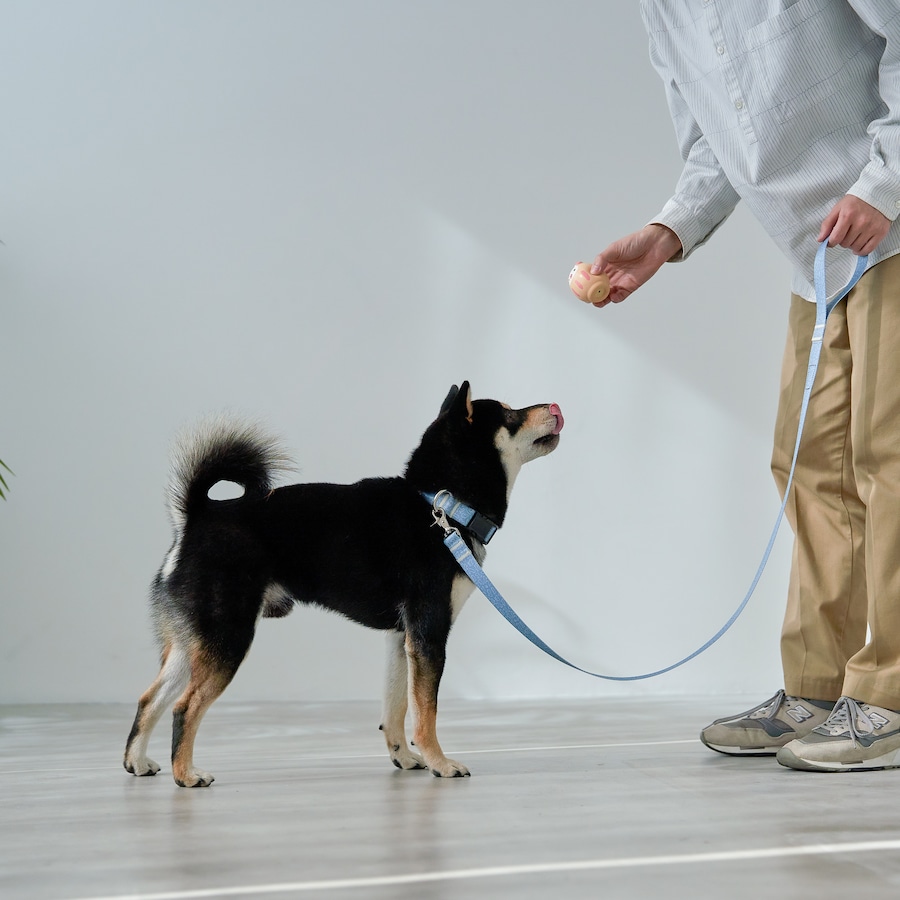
(847, 718)
(779, 703)
(767, 709)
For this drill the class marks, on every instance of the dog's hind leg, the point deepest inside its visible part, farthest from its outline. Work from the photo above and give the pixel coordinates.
(396, 700)
(170, 682)
(426, 665)
(210, 675)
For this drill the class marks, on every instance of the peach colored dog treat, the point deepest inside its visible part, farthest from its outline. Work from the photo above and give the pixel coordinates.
(587, 287)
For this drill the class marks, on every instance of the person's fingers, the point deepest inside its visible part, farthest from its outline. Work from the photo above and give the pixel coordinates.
(839, 232)
(827, 225)
(873, 241)
(616, 295)
(606, 258)
(855, 225)
(854, 239)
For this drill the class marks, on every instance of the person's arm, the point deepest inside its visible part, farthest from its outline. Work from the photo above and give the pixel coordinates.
(703, 199)
(860, 220)
(703, 196)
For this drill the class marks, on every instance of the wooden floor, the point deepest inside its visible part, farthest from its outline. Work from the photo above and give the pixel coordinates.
(613, 799)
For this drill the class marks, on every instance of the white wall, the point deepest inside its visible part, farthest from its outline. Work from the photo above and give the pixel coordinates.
(323, 214)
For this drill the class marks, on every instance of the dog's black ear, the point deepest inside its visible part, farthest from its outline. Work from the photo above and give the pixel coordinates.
(448, 400)
(462, 405)
(459, 402)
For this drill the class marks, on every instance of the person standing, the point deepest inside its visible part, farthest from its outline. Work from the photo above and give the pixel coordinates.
(793, 107)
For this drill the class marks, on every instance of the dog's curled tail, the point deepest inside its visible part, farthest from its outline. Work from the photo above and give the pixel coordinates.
(222, 449)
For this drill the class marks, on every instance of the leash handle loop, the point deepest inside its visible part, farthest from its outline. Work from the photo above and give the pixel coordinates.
(469, 564)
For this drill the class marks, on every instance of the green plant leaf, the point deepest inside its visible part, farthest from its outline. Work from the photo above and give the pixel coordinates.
(3, 480)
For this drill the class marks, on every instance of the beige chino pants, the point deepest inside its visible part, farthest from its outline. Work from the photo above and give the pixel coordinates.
(845, 502)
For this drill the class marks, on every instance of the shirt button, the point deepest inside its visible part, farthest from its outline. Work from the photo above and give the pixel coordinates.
(720, 49)
(897, 204)
(738, 104)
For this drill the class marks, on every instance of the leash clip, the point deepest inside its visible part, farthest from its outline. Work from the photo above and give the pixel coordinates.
(440, 516)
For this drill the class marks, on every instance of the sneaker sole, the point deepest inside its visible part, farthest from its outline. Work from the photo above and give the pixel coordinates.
(790, 760)
(741, 751)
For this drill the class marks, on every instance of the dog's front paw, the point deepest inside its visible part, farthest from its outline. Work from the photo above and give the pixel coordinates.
(142, 766)
(404, 758)
(194, 778)
(448, 768)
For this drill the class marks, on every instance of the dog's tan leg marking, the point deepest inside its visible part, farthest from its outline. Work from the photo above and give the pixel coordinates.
(208, 680)
(393, 719)
(425, 678)
(154, 702)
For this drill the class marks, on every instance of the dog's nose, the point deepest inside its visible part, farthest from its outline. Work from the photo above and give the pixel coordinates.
(556, 412)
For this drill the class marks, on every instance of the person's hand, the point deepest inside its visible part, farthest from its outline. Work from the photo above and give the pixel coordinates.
(634, 259)
(854, 224)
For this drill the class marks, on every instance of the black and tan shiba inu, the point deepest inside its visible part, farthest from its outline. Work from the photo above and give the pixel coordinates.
(364, 550)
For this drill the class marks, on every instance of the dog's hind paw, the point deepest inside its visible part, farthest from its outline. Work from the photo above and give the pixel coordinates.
(448, 768)
(195, 778)
(406, 759)
(144, 766)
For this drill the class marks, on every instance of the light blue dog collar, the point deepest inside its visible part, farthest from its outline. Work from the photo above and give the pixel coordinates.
(472, 520)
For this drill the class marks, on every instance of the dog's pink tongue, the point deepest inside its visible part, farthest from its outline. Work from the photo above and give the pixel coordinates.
(556, 412)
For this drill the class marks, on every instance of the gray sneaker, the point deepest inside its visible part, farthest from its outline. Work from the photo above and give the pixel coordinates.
(762, 730)
(856, 737)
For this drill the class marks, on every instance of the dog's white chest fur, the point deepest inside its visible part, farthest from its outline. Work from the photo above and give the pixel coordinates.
(462, 587)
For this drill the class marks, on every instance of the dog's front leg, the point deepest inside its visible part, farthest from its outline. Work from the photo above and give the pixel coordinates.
(393, 720)
(426, 665)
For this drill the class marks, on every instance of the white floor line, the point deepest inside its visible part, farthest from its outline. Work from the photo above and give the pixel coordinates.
(587, 865)
(325, 756)
(582, 746)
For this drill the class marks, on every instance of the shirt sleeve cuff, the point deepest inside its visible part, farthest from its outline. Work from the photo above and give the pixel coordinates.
(879, 188)
(691, 230)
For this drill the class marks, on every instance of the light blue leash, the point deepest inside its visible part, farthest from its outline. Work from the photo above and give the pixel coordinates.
(458, 547)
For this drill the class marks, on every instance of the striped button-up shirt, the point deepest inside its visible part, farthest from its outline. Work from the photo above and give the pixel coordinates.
(787, 105)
